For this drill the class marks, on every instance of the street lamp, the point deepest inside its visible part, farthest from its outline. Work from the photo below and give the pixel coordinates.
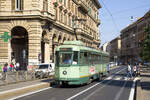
(74, 26)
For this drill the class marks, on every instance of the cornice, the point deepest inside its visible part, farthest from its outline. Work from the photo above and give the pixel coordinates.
(26, 17)
(97, 4)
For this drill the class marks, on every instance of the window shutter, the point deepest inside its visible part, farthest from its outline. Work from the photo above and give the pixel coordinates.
(13, 2)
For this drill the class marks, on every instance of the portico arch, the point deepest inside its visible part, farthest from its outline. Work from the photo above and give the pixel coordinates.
(19, 46)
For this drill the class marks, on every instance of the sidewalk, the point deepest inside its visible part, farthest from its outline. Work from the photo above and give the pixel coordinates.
(143, 87)
(13, 90)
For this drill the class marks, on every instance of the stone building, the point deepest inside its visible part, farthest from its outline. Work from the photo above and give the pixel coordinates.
(132, 38)
(115, 49)
(104, 47)
(37, 27)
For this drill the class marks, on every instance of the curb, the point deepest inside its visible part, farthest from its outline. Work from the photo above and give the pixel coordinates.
(16, 92)
(139, 95)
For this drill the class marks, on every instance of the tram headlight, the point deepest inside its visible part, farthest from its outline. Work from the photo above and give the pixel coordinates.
(64, 72)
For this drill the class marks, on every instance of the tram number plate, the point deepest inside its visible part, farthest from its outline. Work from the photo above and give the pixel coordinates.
(92, 70)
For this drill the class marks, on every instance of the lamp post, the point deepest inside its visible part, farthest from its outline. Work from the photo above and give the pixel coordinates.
(74, 27)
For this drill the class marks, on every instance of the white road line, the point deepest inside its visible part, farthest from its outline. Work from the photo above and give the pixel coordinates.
(29, 93)
(20, 88)
(118, 78)
(109, 78)
(90, 87)
(131, 97)
(120, 91)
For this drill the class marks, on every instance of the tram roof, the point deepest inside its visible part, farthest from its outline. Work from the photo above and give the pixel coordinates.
(79, 46)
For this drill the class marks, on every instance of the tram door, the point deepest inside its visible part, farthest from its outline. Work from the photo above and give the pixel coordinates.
(19, 46)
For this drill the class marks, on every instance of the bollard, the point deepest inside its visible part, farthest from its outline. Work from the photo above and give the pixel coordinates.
(6, 78)
(26, 75)
(17, 80)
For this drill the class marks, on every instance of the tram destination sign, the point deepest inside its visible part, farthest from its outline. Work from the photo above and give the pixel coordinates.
(65, 49)
(5, 36)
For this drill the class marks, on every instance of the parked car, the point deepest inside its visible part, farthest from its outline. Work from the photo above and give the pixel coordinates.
(111, 64)
(44, 70)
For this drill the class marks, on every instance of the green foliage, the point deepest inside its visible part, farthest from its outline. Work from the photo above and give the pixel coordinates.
(145, 54)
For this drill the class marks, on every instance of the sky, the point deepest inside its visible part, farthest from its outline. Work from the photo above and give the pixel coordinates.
(115, 15)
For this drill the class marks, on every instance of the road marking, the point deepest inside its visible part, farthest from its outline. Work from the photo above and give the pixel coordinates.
(120, 91)
(20, 88)
(110, 77)
(131, 97)
(91, 87)
(118, 78)
(29, 93)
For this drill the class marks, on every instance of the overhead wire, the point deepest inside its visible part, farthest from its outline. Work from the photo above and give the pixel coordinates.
(113, 20)
(130, 9)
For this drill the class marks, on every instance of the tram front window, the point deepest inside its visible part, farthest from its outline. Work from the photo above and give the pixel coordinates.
(65, 58)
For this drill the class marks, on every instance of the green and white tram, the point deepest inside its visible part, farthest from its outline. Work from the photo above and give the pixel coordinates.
(77, 64)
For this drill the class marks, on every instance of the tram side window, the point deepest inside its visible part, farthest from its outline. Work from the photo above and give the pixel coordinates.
(85, 58)
(81, 58)
(104, 59)
(75, 58)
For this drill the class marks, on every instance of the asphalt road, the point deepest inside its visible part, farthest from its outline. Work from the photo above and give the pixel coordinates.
(116, 86)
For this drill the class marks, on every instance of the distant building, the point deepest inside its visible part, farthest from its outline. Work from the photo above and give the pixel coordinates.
(104, 47)
(132, 38)
(115, 48)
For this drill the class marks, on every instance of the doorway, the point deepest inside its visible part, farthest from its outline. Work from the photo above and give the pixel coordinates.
(19, 46)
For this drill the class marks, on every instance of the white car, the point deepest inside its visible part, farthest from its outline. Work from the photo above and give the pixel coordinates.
(44, 70)
(111, 64)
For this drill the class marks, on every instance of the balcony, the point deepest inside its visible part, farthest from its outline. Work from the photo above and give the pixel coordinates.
(83, 7)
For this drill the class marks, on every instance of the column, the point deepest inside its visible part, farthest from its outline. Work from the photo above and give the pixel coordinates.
(35, 34)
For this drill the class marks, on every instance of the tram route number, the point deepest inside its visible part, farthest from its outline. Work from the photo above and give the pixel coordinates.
(92, 70)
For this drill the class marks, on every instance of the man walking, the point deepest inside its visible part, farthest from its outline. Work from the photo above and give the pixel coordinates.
(129, 74)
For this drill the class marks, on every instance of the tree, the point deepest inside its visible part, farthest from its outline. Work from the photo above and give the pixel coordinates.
(145, 54)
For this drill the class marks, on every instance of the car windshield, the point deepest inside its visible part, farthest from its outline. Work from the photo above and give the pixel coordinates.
(43, 66)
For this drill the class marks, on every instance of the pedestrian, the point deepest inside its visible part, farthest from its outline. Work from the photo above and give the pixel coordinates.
(135, 70)
(17, 66)
(11, 67)
(5, 69)
(1, 69)
(129, 70)
(108, 68)
(139, 68)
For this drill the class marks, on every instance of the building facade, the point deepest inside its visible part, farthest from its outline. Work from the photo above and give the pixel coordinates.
(37, 27)
(104, 47)
(115, 49)
(132, 38)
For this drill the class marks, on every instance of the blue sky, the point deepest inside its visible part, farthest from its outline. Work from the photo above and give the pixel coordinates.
(121, 11)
